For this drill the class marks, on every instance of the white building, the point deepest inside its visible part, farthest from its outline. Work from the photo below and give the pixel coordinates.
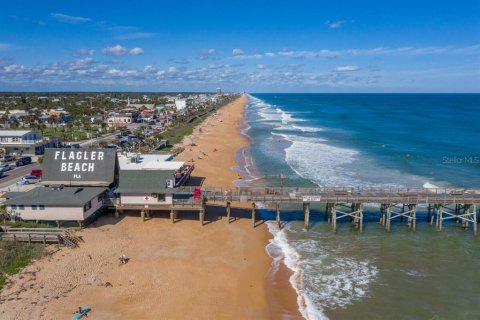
(21, 142)
(180, 104)
(119, 119)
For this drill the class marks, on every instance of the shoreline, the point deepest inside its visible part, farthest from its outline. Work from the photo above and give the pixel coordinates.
(282, 296)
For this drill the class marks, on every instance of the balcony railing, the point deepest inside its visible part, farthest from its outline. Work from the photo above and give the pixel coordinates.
(21, 142)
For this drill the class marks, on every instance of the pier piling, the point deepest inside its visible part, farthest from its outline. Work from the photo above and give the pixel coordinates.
(253, 214)
(228, 212)
(279, 223)
(306, 215)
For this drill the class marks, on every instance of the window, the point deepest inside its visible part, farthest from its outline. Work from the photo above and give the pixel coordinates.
(34, 207)
(100, 198)
(14, 207)
(161, 197)
(87, 206)
(41, 207)
(21, 207)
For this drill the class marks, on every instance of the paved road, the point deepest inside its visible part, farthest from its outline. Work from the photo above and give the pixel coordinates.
(12, 176)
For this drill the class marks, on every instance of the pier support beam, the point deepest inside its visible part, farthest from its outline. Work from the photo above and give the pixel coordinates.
(277, 218)
(173, 215)
(253, 215)
(142, 214)
(328, 212)
(117, 214)
(475, 224)
(201, 216)
(388, 217)
(306, 215)
(382, 213)
(333, 209)
(228, 211)
(439, 217)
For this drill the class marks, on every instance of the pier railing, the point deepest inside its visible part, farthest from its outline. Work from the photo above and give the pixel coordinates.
(337, 194)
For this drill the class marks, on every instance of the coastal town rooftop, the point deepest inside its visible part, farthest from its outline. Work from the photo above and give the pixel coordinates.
(136, 161)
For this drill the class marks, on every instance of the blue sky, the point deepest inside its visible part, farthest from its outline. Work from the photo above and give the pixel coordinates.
(254, 46)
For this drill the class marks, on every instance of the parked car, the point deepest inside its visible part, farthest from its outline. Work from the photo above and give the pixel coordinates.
(5, 167)
(8, 158)
(36, 173)
(23, 161)
(119, 136)
(29, 180)
(76, 146)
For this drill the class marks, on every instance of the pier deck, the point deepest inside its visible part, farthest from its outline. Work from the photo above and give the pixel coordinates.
(394, 203)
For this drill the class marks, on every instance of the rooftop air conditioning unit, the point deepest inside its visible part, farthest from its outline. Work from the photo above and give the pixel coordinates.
(170, 183)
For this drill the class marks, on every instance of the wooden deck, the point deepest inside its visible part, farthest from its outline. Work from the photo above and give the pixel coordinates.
(394, 203)
(41, 235)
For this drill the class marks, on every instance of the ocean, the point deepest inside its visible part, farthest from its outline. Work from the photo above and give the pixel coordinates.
(370, 140)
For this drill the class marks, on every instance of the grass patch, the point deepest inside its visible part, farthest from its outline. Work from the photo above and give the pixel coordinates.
(30, 224)
(176, 133)
(15, 256)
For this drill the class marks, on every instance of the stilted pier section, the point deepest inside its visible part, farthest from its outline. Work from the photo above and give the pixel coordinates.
(395, 205)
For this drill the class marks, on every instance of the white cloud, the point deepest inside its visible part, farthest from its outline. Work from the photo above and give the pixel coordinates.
(206, 53)
(135, 35)
(172, 70)
(117, 50)
(84, 51)
(269, 54)
(335, 24)
(148, 68)
(237, 52)
(261, 66)
(136, 51)
(346, 68)
(69, 19)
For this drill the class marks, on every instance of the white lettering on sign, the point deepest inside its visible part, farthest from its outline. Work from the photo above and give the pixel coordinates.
(77, 176)
(77, 167)
(79, 155)
(82, 156)
(312, 198)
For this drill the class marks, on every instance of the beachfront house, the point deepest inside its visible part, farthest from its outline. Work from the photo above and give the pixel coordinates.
(150, 180)
(56, 203)
(21, 142)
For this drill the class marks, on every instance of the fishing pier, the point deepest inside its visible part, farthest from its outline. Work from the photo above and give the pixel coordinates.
(394, 204)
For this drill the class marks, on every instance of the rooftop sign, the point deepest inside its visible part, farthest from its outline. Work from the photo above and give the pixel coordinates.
(79, 166)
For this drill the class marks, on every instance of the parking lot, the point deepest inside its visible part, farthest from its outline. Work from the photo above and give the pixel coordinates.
(12, 176)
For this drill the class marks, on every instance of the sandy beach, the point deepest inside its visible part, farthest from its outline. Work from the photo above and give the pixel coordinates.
(176, 271)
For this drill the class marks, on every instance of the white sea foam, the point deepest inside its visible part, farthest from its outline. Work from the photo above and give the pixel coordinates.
(297, 128)
(428, 185)
(320, 163)
(321, 279)
(281, 251)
